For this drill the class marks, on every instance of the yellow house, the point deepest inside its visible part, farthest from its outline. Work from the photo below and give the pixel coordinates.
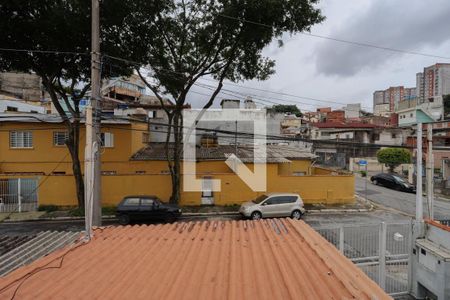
(32, 149)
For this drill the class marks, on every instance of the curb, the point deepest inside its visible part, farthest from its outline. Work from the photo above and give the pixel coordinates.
(212, 214)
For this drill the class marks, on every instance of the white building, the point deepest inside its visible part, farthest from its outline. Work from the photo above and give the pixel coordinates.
(13, 106)
(352, 111)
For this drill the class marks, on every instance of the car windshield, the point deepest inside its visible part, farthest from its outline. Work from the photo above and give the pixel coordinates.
(260, 199)
(398, 179)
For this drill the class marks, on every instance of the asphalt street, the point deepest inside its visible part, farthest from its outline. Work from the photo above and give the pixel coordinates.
(400, 201)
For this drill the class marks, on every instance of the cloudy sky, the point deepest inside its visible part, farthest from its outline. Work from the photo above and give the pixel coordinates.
(335, 72)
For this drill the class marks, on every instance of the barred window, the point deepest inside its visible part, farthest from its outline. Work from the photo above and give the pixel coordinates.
(21, 139)
(60, 138)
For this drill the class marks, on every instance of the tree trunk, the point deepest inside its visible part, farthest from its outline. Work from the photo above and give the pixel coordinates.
(73, 143)
(175, 168)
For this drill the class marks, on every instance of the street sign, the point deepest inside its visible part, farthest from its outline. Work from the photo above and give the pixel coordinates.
(362, 162)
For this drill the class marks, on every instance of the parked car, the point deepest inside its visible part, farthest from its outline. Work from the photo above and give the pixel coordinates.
(145, 208)
(273, 205)
(393, 181)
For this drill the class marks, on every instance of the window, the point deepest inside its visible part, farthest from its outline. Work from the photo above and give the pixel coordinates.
(60, 138)
(152, 114)
(107, 139)
(411, 115)
(21, 139)
(286, 199)
(274, 200)
(131, 202)
(11, 108)
(347, 136)
(394, 135)
(147, 202)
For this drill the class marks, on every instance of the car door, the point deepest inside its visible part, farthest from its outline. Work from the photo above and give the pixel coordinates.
(147, 209)
(382, 180)
(290, 203)
(270, 207)
(390, 182)
(130, 207)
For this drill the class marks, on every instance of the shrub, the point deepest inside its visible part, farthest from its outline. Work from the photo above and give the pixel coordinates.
(393, 157)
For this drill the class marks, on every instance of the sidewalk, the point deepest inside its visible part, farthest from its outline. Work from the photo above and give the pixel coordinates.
(190, 211)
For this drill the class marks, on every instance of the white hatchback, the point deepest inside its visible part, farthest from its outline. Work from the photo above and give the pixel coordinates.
(273, 205)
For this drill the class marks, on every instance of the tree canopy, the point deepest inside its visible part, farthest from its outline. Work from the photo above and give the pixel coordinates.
(393, 157)
(284, 108)
(222, 39)
(52, 38)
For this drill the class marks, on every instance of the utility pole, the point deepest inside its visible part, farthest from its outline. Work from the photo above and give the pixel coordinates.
(419, 203)
(93, 190)
(430, 171)
(235, 137)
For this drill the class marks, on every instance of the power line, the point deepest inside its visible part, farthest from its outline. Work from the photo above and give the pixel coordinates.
(43, 51)
(246, 87)
(356, 43)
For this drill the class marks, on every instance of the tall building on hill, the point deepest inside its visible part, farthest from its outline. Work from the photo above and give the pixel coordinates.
(433, 82)
(386, 101)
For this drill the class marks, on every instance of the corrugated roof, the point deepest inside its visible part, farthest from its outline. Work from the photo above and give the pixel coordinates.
(274, 153)
(47, 118)
(268, 259)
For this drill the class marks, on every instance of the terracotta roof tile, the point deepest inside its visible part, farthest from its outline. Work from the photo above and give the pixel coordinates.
(268, 259)
(274, 153)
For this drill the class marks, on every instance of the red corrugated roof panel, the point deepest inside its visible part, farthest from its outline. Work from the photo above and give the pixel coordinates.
(268, 259)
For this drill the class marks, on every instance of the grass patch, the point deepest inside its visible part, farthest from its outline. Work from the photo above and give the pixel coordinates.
(48, 208)
(106, 211)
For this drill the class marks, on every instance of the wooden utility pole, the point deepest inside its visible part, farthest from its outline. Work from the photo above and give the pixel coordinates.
(93, 190)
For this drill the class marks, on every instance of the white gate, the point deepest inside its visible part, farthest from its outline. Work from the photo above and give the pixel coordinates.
(18, 194)
(382, 251)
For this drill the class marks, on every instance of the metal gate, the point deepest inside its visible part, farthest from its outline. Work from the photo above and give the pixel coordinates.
(18, 194)
(382, 251)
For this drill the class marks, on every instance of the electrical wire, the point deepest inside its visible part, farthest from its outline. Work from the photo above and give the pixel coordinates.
(356, 43)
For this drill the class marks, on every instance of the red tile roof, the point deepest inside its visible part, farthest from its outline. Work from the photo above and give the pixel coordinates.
(343, 125)
(269, 259)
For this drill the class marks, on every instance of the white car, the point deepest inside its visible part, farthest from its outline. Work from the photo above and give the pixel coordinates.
(273, 205)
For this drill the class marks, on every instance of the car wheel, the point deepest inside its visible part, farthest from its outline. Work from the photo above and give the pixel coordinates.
(296, 214)
(124, 219)
(375, 182)
(171, 218)
(256, 215)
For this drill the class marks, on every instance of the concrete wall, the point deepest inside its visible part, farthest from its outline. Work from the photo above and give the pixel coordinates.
(328, 189)
(374, 166)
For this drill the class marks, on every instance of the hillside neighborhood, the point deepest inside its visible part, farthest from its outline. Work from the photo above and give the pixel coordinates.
(160, 152)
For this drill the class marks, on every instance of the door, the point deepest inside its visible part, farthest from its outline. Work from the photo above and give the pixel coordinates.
(286, 206)
(390, 182)
(207, 191)
(147, 210)
(270, 207)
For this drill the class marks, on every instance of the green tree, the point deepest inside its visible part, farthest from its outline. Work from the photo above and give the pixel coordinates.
(393, 157)
(64, 26)
(284, 108)
(222, 39)
(446, 100)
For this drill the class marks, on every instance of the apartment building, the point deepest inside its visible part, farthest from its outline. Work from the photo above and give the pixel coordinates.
(433, 82)
(386, 101)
